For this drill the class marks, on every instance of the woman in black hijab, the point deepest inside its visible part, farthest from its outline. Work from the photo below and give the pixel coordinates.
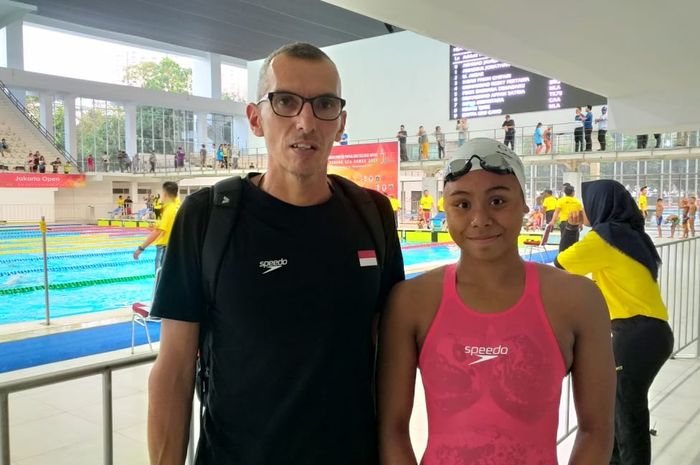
(625, 265)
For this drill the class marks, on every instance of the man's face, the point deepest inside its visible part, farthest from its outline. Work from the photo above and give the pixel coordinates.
(484, 214)
(425, 193)
(644, 191)
(299, 145)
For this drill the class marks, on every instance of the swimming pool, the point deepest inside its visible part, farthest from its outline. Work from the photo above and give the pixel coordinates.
(92, 269)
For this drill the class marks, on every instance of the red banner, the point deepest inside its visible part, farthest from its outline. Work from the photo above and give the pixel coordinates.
(41, 180)
(375, 166)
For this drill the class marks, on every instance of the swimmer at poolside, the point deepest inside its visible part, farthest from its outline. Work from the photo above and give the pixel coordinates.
(493, 337)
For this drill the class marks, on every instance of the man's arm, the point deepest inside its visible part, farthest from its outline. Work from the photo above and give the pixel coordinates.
(555, 215)
(170, 389)
(593, 375)
(155, 234)
(398, 358)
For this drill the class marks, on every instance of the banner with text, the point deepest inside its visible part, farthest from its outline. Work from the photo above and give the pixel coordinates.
(375, 166)
(41, 180)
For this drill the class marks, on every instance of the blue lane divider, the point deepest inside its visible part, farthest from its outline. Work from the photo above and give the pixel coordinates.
(25, 353)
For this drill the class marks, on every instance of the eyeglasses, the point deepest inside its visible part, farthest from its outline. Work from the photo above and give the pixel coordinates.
(494, 163)
(289, 105)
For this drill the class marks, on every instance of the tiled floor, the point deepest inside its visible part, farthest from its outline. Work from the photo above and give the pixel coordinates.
(61, 424)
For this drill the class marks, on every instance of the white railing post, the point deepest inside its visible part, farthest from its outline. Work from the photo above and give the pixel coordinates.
(4, 429)
(107, 418)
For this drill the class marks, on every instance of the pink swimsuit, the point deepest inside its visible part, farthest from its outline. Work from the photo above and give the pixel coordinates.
(492, 381)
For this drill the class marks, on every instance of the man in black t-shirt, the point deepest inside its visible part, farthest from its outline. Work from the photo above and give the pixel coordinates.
(290, 327)
(401, 136)
(509, 128)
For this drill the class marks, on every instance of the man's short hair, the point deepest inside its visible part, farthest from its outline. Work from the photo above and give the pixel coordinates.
(644, 187)
(569, 190)
(170, 188)
(588, 107)
(299, 50)
(548, 191)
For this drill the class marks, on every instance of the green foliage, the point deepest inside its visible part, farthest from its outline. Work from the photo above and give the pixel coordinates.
(99, 131)
(165, 75)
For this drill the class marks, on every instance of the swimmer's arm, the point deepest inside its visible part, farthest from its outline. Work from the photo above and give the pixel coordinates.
(398, 359)
(170, 390)
(593, 375)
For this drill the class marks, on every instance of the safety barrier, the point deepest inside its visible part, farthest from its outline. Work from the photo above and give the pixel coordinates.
(678, 281)
(105, 369)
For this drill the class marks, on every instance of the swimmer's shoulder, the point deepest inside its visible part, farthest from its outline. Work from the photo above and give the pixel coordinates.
(418, 296)
(568, 293)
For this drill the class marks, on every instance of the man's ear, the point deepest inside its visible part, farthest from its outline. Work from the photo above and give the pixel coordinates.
(343, 118)
(252, 111)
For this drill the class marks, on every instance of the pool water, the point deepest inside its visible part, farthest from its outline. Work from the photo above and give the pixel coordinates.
(92, 269)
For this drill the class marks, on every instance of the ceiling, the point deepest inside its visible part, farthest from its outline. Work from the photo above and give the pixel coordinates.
(248, 30)
(642, 55)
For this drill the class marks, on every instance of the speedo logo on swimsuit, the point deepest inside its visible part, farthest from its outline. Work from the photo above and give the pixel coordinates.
(485, 353)
(272, 265)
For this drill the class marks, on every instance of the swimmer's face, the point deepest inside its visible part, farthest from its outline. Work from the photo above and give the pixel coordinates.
(484, 214)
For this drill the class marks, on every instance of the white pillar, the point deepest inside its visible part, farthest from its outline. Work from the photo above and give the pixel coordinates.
(69, 126)
(14, 43)
(200, 133)
(46, 111)
(241, 129)
(206, 76)
(130, 129)
(574, 178)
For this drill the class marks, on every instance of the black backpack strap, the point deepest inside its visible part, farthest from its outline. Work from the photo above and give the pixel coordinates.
(369, 210)
(224, 198)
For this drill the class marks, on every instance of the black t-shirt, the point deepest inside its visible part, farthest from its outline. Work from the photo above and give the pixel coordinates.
(510, 127)
(402, 135)
(292, 354)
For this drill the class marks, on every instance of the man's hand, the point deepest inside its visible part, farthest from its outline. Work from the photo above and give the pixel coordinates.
(137, 253)
(575, 218)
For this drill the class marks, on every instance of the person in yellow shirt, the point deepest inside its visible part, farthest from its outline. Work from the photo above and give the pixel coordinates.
(120, 205)
(624, 264)
(441, 205)
(161, 233)
(549, 203)
(395, 206)
(642, 202)
(567, 205)
(426, 206)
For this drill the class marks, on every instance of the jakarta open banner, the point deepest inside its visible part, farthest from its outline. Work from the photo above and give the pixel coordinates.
(41, 180)
(375, 166)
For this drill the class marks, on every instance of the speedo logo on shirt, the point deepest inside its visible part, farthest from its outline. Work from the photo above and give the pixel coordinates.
(485, 353)
(272, 265)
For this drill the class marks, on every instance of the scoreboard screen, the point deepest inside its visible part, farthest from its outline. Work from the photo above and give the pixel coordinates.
(483, 86)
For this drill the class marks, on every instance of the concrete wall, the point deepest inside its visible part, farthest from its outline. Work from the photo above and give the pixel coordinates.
(27, 205)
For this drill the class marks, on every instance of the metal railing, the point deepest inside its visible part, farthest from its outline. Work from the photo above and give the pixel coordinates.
(678, 280)
(104, 369)
(37, 124)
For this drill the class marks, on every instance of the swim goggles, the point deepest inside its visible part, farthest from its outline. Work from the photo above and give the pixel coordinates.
(494, 163)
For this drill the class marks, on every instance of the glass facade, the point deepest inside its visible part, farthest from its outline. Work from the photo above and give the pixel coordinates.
(163, 130)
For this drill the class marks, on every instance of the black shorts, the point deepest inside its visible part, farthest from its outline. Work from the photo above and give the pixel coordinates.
(659, 220)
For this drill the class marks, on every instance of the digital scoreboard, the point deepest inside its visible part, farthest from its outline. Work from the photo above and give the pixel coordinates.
(483, 86)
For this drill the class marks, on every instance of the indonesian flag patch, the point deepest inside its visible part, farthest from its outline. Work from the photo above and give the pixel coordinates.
(367, 257)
